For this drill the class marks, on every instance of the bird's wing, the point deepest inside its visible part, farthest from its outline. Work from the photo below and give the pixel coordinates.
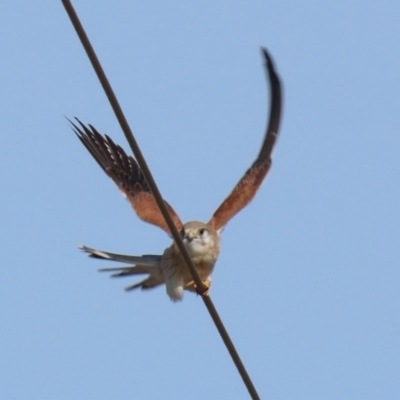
(127, 175)
(247, 187)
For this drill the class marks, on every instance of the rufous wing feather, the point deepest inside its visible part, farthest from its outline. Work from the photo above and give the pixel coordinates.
(127, 175)
(247, 187)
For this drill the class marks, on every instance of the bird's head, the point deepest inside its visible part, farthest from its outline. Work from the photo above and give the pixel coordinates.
(199, 238)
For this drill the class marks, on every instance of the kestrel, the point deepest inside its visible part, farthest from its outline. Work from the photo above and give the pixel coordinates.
(202, 240)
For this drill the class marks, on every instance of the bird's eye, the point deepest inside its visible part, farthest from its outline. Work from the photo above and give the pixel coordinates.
(201, 231)
(182, 233)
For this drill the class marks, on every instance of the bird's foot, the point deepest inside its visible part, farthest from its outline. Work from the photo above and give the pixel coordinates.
(191, 286)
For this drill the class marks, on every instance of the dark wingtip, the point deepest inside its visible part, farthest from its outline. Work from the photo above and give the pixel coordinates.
(76, 128)
(275, 106)
(268, 59)
(265, 54)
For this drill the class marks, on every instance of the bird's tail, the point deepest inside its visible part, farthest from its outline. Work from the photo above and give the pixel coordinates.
(146, 264)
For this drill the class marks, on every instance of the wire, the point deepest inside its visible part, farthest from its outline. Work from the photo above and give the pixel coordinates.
(157, 195)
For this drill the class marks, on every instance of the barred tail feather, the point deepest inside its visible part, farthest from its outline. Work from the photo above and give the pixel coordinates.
(146, 264)
(147, 259)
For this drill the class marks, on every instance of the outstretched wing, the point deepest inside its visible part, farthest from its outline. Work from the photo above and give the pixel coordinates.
(127, 175)
(247, 187)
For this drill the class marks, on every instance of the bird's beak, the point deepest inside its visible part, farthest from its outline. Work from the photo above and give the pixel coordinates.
(189, 236)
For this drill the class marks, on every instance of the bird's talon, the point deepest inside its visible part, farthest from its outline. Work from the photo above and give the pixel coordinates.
(192, 287)
(206, 291)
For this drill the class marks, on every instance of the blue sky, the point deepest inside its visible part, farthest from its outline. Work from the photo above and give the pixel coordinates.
(308, 279)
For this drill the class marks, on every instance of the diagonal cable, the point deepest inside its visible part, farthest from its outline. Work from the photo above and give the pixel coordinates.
(157, 195)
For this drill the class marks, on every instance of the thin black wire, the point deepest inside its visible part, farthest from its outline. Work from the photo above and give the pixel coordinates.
(157, 195)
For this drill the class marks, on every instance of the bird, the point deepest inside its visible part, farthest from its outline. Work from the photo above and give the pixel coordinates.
(202, 240)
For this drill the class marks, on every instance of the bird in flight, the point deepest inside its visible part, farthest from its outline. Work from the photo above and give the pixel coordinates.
(202, 240)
